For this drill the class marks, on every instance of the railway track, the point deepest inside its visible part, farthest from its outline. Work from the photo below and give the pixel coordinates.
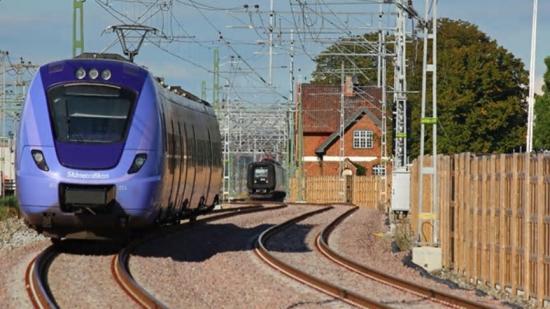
(35, 279)
(310, 280)
(374, 274)
(321, 243)
(36, 273)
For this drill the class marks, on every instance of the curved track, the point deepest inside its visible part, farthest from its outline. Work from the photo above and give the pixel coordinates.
(122, 273)
(35, 279)
(395, 282)
(36, 273)
(312, 281)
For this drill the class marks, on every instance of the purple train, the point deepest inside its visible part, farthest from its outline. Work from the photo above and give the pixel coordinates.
(105, 147)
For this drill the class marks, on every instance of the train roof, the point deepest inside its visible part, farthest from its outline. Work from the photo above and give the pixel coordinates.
(106, 56)
(175, 89)
(266, 160)
(178, 90)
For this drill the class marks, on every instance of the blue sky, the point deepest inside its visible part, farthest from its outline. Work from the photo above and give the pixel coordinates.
(40, 31)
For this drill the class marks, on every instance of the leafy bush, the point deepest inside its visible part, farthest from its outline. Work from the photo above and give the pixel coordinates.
(8, 207)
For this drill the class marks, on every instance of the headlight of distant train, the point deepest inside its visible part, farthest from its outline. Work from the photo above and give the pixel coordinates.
(80, 73)
(39, 159)
(139, 161)
(93, 73)
(106, 74)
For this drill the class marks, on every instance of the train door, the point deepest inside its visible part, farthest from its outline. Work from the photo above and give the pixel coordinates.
(172, 165)
(193, 200)
(200, 182)
(177, 165)
(166, 175)
(209, 161)
(182, 171)
(190, 167)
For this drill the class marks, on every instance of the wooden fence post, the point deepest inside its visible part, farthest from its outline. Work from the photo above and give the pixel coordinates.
(503, 192)
(493, 227)
(514, 222)
(482, 178)
(456, 212)
(527, 225)
(468, 252)
(542, 207)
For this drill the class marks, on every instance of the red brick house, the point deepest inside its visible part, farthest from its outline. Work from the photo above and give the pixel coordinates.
(321, 130)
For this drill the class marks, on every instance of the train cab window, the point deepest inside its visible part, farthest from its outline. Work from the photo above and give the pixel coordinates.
(260, 174)
(90, 113)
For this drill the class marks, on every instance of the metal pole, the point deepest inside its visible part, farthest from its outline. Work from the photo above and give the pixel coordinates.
(216, 81)
(4, 107)
(379, 62)
(400, 93)
(299, 147)
(203, 90)
(384, 116)
(270, 67)
(342, 119)
(290, 163)
(422, 125)
(435, 200)
(433, 214)
(78, 27)
(531, 100)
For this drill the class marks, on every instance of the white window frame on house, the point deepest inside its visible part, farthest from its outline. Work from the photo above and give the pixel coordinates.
(363, 139)
(379, 170)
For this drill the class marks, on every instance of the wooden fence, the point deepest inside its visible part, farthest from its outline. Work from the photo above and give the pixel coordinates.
(363, 191)
(494, 219)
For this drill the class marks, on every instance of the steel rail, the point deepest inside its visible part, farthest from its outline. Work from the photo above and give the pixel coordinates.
(312, 281)
(36, 281)
(396, 282)
(120, 268)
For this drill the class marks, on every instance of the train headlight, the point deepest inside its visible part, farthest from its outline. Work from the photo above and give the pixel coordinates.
(80, 73)
(139, 161)
(93, 73)
(106, 74)
(39, 159)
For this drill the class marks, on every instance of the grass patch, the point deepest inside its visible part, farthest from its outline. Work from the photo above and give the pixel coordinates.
(403, 236)
(8, 207)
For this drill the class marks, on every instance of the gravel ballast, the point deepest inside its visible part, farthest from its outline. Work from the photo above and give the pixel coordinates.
(213, 265)
(359, 237)
(18, 246)
(14, 234)
(80, 276)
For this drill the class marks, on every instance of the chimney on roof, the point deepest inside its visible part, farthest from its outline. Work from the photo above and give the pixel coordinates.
(348, 87)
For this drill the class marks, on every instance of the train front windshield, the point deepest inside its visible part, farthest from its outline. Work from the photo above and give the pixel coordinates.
(260, 174)
(90, 113)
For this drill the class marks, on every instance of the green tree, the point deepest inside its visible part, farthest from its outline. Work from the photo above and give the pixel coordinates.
(481, 89)
(541, 133)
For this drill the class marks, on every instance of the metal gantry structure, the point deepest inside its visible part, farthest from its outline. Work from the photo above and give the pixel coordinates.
(400, 89)
(15, 80)
(256, 119)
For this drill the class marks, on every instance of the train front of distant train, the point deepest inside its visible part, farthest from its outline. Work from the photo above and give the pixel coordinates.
(266, 180)
(103, 146)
